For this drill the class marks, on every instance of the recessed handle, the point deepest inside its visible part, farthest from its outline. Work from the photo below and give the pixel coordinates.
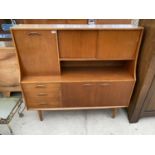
(34, 34)
(40, 86)
(87, 84)
(43, 104)
(105, 84)
(42, 94)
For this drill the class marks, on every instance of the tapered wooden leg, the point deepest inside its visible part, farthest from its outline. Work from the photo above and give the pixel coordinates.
(40, 115)
(114, 111)
(10, 129)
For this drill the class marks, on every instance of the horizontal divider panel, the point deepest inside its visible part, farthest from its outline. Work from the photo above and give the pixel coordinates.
(96, 59)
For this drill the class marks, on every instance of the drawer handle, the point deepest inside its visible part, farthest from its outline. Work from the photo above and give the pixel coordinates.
(34, 33)
(42, 94)
(87, 84)
(105, 84)
(40, 86)
(43, 104)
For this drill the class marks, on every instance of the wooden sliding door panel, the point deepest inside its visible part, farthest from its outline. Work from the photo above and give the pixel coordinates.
(77, 44)
(114, 93)
(37, 50)
(78, 94)
(117, 44)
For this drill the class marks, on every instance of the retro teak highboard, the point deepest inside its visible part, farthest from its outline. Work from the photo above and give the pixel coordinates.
(77, 66)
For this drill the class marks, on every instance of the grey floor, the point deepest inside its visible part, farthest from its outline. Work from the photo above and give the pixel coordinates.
(86, 122)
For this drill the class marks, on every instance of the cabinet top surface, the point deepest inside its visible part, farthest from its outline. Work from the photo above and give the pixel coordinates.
(75, 26)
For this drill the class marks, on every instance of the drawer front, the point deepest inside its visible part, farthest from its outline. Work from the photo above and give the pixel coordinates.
(42, 95)
(41, 89)
(114, 93)
(43, 102)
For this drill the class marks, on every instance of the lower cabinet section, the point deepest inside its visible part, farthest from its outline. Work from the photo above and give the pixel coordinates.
(97, 94)
(78, 94)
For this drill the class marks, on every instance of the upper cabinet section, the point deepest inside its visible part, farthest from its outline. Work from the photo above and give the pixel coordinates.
(117, 44)
(40, 48)
(99, 45)
(37, 51)
(76, 44)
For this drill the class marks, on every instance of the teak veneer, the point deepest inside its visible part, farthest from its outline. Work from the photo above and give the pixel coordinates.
(77, 66)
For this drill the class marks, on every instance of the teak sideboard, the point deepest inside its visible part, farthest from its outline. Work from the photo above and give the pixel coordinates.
(77, 66)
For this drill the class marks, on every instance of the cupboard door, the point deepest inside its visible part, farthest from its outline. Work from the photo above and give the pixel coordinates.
(117, 44)
(114, 93)
(78, 94)
(77, 44)
(37, 50)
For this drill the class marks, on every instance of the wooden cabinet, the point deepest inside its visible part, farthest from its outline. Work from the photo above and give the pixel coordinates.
(77, 66)
(150, 100)
(143, 100)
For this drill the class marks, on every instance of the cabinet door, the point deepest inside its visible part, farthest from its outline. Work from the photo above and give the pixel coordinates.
(77, 44)
(37, 50)
(78, 94)
(114, 93)
(117, 44)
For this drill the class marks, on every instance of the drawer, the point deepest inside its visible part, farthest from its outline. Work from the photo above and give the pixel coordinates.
(40, 86)
(41, 89)
(36, 102)
(39, 95)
